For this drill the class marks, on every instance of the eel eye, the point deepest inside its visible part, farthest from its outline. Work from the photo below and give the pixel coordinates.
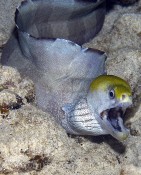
(112, 94)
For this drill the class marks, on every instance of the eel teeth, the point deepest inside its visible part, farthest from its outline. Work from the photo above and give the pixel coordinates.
(114, 116)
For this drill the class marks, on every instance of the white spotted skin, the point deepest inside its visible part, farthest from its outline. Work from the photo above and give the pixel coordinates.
(81, 121)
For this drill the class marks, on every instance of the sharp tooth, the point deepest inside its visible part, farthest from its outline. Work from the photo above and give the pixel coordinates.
(105, 117)
(120, 121)
(123, 110)
(104, 114)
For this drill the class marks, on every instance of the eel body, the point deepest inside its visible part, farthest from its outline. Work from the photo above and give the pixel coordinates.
(46, 46)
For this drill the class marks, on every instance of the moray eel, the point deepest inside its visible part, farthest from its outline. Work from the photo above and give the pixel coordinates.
(70, 80)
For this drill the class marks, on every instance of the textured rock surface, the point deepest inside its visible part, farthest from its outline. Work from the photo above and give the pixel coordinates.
(32, 143)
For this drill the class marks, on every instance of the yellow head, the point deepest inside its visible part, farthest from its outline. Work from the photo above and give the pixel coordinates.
(116, 86)
(109, 96)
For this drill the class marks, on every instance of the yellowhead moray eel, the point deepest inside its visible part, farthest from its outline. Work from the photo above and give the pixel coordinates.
(70, 80)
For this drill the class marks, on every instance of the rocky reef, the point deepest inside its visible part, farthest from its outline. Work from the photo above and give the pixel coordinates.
(31, 142)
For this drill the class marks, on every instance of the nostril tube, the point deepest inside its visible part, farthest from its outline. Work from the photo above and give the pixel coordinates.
(123, 96)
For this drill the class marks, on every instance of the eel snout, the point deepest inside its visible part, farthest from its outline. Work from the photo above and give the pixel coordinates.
(113, 122)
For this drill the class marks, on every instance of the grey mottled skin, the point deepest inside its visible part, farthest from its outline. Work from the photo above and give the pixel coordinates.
(61, 69)
(75, 20)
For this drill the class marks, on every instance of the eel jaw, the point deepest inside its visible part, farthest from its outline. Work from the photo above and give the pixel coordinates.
(112, 122)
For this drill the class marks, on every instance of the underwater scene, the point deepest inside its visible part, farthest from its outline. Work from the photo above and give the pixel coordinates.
(70, 87)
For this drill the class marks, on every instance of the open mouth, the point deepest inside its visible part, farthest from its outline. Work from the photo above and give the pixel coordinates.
(112, 122)
(114, 117)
